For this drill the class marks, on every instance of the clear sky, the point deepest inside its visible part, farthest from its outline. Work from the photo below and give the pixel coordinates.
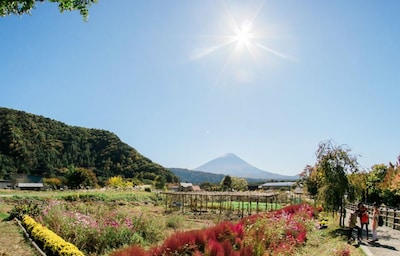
(184, 82)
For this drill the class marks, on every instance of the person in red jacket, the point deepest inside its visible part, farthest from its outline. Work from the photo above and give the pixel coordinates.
(364, 218)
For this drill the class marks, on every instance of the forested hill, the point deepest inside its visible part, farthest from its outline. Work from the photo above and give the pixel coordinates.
(33, 144)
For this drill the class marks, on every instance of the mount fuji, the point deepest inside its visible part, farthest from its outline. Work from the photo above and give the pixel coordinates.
(232, 165)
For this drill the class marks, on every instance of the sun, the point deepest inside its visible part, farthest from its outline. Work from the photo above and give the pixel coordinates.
(246, 37)
(243, 34)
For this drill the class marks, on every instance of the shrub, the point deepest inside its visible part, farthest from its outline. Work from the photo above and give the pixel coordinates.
(24, 207)
(174, 222)
(50, 242)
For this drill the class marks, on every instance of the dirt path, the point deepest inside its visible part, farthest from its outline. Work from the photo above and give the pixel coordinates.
(12, 241)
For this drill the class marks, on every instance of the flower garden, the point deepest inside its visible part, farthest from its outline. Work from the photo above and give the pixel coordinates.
(275, 233)
(97, 229)
(97, 225)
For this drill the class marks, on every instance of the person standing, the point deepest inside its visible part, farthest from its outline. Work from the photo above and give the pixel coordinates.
(352, 226)
(375, 216)
(364, 218)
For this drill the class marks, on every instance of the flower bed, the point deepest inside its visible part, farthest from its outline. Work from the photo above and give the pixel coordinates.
(50, 242)
(274, 233)
(96, 229)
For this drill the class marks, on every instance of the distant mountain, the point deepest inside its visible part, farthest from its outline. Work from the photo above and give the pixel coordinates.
(196, 177)
(230, 164)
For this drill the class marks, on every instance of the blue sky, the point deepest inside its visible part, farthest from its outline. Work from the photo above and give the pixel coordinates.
(185, 82)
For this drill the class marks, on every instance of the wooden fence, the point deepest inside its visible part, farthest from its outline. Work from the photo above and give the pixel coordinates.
(244, 203)
(391, 217)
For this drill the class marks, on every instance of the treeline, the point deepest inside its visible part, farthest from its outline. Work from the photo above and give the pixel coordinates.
(196, 177)
(336, 177)
(32, 144)
(380, 184)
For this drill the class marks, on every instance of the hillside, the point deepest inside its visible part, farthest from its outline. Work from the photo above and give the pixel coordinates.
(230, 164)
(33, 144)
(198, 177)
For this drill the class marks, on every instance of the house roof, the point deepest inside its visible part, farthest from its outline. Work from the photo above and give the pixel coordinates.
(186, 184)
(196, 188)
(278, 184)
(29, 185)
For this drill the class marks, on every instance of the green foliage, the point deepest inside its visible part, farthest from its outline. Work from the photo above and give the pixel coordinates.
(80, 178)
(24, 207)
(89, 197)
(207, 186)
(196, 177)
(20, 7)
(328, 177)
(357, 186)
(34, 144)
(374, 179)
(311, 180)
(226, 183)
(53, 182)
(159, 182)
(383, 184)
(174, 222)
(239, 184)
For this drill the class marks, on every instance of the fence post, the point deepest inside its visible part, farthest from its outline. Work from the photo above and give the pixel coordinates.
(394, 219)
(387, 217)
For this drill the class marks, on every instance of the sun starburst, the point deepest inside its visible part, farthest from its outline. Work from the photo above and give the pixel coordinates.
(242, 36)
(244, 40)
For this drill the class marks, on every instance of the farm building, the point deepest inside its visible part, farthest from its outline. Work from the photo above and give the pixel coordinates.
(288, 185)
(5, 184)
(185, 186)
(27, 182)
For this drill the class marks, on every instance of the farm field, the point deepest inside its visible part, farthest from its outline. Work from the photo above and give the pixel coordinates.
(144, 208)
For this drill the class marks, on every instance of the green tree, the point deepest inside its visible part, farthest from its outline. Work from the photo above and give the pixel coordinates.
(208, 186)
(37, 145)
(311, 180)
(205, 186)
(80, 177)
(226, 183)
(374, 183)
(53, 182)
(357, 186)
(331, 169)
(159, 182)
(20, 7)
(239, 184)
(390, 185)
